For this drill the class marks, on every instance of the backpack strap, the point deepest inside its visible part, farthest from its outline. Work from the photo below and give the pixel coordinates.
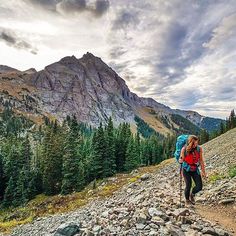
(185, 151)
(198, 149)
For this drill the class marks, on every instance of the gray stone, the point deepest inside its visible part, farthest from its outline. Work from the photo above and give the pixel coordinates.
(153, 233)
(175, 230)
(145, 177)
(105, 214)
(67, 230)
(196, 226)
(157, 220)
(209, 230)
(142, 218)
(180, 212)
(154, 226)
(221, 232)
(97, 228)
(227, 201)
(154, 212)
(140, 226)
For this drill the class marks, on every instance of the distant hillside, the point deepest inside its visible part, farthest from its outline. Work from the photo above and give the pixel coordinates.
(210, 124)
(92, 91)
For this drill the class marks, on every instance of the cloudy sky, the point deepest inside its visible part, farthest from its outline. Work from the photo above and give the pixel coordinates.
(181, 53)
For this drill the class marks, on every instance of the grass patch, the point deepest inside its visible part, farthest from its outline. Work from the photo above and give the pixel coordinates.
(216, 176)
(134, 179)
(232, 171)
(7, 226)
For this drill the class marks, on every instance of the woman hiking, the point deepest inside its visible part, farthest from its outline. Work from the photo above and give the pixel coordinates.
(190, 158)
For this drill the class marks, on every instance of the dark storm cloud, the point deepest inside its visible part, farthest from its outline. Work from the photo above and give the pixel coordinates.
(98, 8)
(12, 40)
(45, 4)
(174, 45)
(125, 18)
(69, 6)
(101, 6)
(178, 54)
(166, 41)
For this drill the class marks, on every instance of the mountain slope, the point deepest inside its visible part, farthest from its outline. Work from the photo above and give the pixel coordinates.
(92, 91)
(150, 206)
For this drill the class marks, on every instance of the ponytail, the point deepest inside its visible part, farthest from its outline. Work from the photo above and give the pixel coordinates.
(190, 142)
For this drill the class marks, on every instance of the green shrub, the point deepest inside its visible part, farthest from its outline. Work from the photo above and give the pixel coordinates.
(214, 177)
(232, 171)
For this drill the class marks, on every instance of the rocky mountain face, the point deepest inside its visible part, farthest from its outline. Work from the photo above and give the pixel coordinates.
(88, 89)
(151, 205)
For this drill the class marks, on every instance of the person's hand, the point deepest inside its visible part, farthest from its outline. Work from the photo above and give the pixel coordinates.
(204, 175)
(180, 160)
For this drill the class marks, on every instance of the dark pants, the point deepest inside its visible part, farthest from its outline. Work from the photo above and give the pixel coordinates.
(188, 176)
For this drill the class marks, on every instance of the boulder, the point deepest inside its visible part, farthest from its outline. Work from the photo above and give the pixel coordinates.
(67, 230)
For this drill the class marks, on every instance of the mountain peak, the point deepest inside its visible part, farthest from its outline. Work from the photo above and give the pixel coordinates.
(30, 71)
(89, 55)
(4, 69)
(69, 59)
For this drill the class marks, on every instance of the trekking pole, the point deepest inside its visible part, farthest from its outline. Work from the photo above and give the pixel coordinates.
(180, 186)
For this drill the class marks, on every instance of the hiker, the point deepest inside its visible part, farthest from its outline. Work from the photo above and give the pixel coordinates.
(190, 158)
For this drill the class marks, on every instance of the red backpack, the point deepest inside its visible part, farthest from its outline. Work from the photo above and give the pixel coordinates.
(192, 158)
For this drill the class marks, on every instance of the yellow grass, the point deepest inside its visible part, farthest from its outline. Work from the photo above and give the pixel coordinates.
(147, 115)
(8, 225)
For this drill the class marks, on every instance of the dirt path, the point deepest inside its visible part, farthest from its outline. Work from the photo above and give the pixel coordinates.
(223, 215)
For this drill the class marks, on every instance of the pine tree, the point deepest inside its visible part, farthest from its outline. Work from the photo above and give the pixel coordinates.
(9, 193)
(109, 163)
(2, 179)
(86, 156)
(137, 148)
(204, 136)
(222, 128)
(81, 176)
(131, 161)
(47, 164)
(26, 153)
(98, 153)
(227, 125)
(70, 172)
(73, 173)
(121, 145)
(143, 155)
(32, 190)
(12, 164)
(232, 120)
(53, 149)
(21, 190)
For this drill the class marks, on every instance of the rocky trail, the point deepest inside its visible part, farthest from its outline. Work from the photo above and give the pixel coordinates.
(150, 206)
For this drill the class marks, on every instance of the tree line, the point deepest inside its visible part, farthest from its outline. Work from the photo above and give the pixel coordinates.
(229, 123)
(63, 158)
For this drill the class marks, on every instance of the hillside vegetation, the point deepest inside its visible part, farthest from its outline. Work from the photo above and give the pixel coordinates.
(148, 204)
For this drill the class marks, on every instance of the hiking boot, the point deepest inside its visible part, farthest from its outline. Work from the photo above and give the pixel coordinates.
(192, 198)
(188, 203)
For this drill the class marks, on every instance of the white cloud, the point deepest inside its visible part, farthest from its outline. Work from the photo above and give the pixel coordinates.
(181, 53)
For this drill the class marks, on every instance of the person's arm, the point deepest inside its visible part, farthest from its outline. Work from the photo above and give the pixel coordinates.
(181, 159)
(202, 164)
